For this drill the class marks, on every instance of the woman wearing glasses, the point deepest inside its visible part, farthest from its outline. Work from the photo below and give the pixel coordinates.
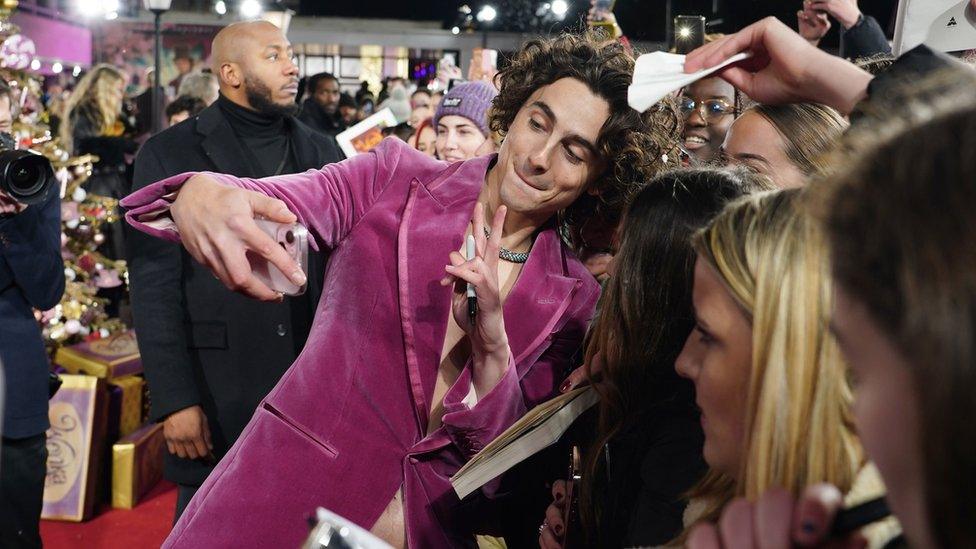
(709, 106)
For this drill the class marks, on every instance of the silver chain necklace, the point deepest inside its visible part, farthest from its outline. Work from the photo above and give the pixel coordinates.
(508, 255)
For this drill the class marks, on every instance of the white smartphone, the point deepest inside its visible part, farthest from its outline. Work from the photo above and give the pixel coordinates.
(293, 238)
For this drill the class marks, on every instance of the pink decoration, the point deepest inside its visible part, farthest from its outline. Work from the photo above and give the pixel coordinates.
(17, 52)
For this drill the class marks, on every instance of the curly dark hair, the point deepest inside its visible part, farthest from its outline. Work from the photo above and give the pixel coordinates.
(636, 146)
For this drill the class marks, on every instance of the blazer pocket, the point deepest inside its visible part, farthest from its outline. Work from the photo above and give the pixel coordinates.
(299, 430)
(207, 335)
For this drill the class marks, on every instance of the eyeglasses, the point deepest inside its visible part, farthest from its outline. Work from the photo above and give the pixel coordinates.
(710, 109)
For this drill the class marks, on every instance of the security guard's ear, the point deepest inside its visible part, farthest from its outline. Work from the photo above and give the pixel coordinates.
(232, 75)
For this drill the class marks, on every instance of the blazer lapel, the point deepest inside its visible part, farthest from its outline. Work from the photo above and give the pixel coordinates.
(539, 298)
(433, 225)
(221, 145)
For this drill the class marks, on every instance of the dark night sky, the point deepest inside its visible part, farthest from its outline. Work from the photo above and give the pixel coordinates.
(641, 19)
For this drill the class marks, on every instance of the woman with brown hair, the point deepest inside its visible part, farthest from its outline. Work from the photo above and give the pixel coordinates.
(645, 451)
(787, 143)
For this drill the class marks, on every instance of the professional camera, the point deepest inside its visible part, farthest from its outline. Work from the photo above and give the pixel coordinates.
(25, 176)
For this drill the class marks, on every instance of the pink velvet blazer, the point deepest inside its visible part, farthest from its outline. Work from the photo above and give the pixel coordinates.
(346, 426)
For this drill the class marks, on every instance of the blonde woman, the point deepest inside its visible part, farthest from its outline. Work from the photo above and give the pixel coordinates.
(93, 124)
(774, 395)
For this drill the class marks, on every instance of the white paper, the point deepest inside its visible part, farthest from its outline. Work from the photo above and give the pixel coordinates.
(660, 73)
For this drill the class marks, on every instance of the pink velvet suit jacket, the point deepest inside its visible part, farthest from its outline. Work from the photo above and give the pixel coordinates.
(346, 426)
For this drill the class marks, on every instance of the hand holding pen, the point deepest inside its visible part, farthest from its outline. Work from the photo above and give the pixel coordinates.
(477, 305)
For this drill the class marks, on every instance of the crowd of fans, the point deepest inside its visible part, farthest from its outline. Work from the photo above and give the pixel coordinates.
(784, 255)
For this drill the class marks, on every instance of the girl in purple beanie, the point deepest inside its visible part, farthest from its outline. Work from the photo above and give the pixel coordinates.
(461, 120)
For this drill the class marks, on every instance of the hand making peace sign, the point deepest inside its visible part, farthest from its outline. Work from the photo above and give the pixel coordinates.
(488, 332)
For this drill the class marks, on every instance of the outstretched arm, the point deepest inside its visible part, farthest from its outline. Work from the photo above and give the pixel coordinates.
(213, 214)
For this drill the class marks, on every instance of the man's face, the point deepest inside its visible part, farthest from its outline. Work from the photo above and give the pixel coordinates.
(270, 73)
(549, 155)
(6, 117)
(327, 95)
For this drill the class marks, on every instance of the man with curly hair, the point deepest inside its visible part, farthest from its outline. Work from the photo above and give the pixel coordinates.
(400, 384)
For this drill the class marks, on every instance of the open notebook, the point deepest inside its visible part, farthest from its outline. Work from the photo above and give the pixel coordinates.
(538, 429)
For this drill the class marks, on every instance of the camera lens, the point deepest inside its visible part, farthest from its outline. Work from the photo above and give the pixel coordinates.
(290, 237)
(25, 176)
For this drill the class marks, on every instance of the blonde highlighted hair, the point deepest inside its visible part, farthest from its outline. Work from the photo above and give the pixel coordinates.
(94, 98)
(799, 427)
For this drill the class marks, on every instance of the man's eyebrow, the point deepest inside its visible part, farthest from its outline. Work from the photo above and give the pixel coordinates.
(575, 138)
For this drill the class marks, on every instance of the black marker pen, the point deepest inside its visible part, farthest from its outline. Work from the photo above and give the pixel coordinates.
(472, 297)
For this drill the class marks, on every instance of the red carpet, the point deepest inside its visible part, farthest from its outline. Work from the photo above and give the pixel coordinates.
(146, 526)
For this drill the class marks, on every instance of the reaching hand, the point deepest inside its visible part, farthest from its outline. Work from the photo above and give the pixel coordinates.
(845, 12)
(216, 225)
(777, 522)
(187, 433)
(784, 68)
(813, 25)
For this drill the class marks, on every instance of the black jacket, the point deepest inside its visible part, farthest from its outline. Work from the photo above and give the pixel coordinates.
(316, 118)
(200, 343)
(31, 277)
(864, 39)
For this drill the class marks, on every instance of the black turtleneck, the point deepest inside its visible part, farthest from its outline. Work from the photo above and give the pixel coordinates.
(264, 136)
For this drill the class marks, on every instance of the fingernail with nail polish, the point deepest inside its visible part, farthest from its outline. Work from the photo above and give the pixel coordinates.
(567, 385)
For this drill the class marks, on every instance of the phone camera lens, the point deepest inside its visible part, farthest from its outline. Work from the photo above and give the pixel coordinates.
(290, 237)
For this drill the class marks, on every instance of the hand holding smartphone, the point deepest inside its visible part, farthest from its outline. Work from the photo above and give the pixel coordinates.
(293, 238)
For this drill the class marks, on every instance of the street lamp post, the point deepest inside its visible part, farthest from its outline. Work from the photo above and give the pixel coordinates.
(158, 8)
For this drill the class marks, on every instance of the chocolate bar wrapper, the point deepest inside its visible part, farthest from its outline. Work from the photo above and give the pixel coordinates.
(137, 465)
(75, 445)
(124, 406)
(112, 357)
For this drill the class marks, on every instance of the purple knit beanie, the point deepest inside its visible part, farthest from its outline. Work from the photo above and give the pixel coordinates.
(470, 100)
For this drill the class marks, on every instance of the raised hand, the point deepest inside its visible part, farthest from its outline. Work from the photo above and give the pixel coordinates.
(216, 225)
(845, 12)
(812, 25)
(784, 68)
(489, 342)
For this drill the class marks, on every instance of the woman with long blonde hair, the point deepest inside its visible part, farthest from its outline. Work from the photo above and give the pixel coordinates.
(773, 391)
(95, 107)
(94, 124)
